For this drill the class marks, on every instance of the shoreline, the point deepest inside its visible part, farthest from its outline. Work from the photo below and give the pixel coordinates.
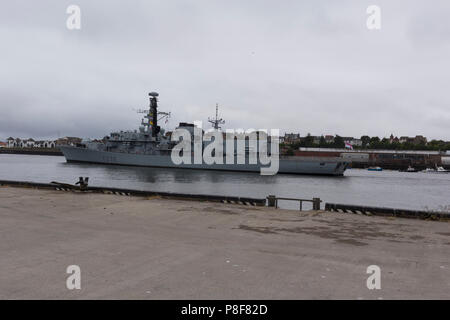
(269, 201)
(32, 151)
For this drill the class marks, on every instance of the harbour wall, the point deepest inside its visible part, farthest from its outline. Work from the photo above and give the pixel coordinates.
(387, 159)
(142, 193)
(271, 201)
(387, 212)
(33, 151)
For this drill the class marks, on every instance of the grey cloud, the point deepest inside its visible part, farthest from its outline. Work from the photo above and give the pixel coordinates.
(306, 66)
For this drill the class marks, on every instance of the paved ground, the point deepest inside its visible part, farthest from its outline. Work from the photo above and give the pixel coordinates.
(134, 248)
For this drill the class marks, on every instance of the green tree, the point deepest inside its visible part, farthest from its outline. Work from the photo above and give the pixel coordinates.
(308, 141)
(374, 142)
(339, 142)
(365, 141)
(322, 143)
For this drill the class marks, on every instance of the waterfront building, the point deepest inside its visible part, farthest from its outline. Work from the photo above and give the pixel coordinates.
(419, 139)
(356, 142)
(10, 142)
(29, 143)
(316, 139)
(290, 138)
(389, 159)
(393, 139)
(329, 138)
(45, 144)
(68, 141)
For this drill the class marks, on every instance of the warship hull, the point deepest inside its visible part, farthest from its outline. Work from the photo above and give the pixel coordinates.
(291, 165)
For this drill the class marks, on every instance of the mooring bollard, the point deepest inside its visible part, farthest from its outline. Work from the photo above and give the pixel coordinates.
(83, 182)
(316, 203)
(271, 199)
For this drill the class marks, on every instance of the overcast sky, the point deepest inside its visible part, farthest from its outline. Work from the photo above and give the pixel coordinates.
(300, 66)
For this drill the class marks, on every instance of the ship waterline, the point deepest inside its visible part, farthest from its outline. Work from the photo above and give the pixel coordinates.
(291, 165)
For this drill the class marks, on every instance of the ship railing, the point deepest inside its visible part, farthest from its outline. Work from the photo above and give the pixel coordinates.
(272, 201)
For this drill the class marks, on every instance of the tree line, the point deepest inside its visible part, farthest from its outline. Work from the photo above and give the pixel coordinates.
(368, 143)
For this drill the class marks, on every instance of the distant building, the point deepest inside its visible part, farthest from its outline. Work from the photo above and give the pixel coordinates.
(45, 144)
(413, 140)
(291, 138)
(68, 141)
(10, 142)
(29, 143)
(393, 139)
(316, 139)
(420, 140)
(353, 141)
(404, 139)
(329, 138)
(3, 144)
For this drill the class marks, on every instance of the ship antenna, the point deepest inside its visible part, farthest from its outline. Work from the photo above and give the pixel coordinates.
(216, 121)
(153, 114)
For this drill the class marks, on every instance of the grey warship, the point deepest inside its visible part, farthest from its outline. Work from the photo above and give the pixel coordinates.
(151, 147)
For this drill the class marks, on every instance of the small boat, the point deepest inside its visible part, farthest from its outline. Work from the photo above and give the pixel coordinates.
(375, 169)
(437, 170)
(411, 169)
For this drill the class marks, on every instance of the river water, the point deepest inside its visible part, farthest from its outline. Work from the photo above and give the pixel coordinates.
(415, 190)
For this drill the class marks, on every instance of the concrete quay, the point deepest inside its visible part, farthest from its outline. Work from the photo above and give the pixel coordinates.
(153, 248)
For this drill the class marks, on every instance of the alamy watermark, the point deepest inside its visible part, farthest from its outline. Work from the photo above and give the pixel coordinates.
(374, 280)
(373, 21)
(73, 281)
(252, 148)
(73, 21)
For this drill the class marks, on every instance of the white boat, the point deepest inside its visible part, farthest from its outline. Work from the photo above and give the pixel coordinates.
(437, 170)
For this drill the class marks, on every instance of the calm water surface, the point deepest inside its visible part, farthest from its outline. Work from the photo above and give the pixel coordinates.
(386, 188)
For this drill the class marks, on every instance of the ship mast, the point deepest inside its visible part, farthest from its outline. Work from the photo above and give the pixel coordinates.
(150, 121)
(216, 121)
(153, 114)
